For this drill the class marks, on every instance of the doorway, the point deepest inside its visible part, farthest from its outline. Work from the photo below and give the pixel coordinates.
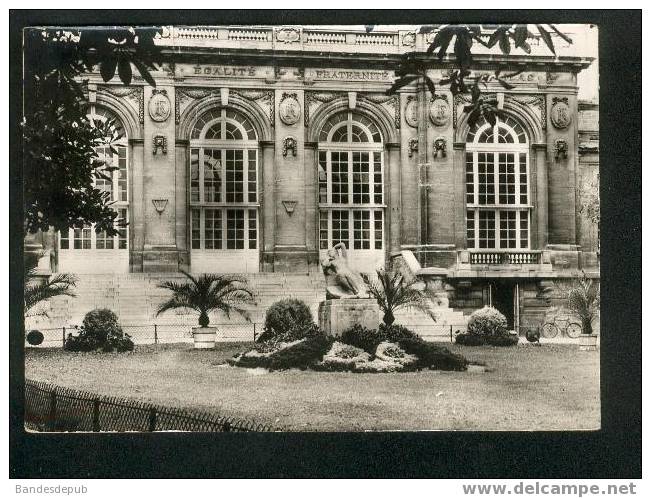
(503, 296)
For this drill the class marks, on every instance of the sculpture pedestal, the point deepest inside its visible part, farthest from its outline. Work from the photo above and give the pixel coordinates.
(337, 315)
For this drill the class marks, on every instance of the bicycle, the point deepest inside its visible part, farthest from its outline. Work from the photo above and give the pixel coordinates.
(551, 328)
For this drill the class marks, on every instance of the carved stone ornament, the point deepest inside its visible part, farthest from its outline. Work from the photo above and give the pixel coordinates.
(412, 146)
(561, 149)
(160, 142)
(159, 106)
(439, 111)
(440, 147)
(409, 39)
(288, 35)
(289, 108)
(289, 206)
(290, 143)
(411, 112)
(560, 114)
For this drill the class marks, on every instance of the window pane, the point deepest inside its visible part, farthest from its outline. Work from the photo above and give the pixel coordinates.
(470, 179)
(323, 230)
(361, 229)
(253, 176)
(339, 165)
(470, 229)
(340, 228)
(507, 178)
(212, 229)
(64, 240)
(524, 229)
(523, 179)
(235, 229)
(486, 229)
(485, 166)
(377, 178)
(212, 175)
(194, 175)
(323, 177)
(253, 229)
(122, 174)
(361, 193)
(378, 229)
(123, 231)
(234, 176)
(507, 230)
(196, 229)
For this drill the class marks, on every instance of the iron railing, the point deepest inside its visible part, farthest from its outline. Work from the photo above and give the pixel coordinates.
(50, 408)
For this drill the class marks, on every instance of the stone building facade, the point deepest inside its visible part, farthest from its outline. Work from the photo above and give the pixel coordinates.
(261, 147)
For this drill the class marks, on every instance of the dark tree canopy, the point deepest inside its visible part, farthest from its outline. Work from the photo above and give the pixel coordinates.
(60, 161)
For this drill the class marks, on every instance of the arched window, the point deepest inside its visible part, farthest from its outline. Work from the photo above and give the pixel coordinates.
(223, 182)
(498, 203)
(115, 182)
(351, 183)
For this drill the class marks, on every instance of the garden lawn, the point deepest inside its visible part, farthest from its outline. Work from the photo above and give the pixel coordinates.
(551, 387)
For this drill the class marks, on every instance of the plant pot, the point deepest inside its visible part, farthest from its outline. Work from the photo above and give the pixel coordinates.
(588, 342)
(204, 337)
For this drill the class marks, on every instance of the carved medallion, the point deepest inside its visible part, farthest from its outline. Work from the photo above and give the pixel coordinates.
(159, 106)
(411, 112)
(288, 35)
(289, 109)
(560, 113)
(439, 111)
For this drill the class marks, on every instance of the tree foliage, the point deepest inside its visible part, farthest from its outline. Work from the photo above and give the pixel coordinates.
(39, 289)
(392, 293)
(60, 142)
(583, 300)
(456, 42)
(207, 293)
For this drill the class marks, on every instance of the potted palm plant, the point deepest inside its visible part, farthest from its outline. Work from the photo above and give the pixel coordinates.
(392, 293)
(583, 302)
(205, 294)
(39, 289)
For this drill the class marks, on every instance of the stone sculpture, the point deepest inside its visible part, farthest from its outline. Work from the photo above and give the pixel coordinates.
(341, 281)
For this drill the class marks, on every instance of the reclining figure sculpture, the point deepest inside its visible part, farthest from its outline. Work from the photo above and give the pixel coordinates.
(341, 281)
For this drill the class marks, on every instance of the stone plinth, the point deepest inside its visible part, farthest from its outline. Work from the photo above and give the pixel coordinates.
(337, 315)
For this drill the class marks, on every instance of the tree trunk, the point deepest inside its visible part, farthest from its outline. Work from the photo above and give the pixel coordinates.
(586, 324)
(389, 318)
(203, 319)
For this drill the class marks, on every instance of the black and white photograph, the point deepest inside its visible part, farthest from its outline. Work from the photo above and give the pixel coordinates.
(311, 227)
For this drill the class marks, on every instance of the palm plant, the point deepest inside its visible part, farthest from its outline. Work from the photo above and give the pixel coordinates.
(41, 289)
(392, 293)
(208, 292)
(583, 301)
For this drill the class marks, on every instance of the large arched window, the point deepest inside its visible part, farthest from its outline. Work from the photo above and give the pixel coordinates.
(115, 182)
(223, 182)
(498, 203)
(351, 184)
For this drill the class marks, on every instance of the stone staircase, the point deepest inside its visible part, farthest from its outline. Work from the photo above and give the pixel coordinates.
(134, 297)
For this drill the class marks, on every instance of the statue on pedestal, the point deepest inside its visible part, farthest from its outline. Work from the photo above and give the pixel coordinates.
(341, 281)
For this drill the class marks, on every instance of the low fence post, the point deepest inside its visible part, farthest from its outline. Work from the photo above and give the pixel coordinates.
(155, 334)
(52, 415)
(63, 345)
(96, 427)
(451, 341)
(254, 332)
(152, 419)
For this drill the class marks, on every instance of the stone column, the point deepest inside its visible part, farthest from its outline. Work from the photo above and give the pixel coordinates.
(160, 253)
(182, 231)
(311, 201)
(541, 196)
(268, 205)
(393, 200)
(136, 205)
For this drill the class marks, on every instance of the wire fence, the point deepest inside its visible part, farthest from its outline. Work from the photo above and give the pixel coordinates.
(158, 333)
(50, 408)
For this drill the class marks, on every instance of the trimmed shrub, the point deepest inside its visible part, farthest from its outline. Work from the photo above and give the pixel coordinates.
(300, 354)
(487, 321)
(503, 340)
(99, 331)
(432, 356)
(362, 338)
(470, 340)
(390, 352)
(286, 320)
(395, 333)
(490, 340)
(34, 337)
(342, 358)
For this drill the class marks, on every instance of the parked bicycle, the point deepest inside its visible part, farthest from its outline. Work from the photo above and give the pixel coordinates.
(570, 327)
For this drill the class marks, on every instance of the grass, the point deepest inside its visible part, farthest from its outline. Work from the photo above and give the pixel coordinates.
(551, 387)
